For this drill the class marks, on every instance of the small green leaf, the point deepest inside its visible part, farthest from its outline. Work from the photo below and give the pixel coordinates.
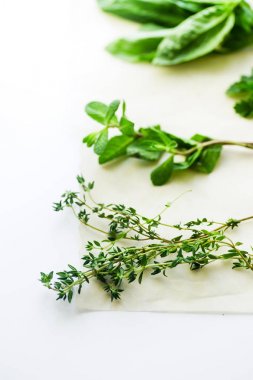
(244, 87)
(209, 156)
(98, 112)
(123, 108)
(112, 109)
(188, 162)
(115, 148)
(200, 138)
(162, 173)
(208, 159)
(227, 256)
(101, 142)
(90, 139)
(146, 149)
(126, 127)
(70, 295)
(245, 107)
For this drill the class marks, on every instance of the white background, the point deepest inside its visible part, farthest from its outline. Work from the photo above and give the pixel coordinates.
(52, 63)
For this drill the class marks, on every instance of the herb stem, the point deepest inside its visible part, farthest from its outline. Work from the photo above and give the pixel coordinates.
(212, 143)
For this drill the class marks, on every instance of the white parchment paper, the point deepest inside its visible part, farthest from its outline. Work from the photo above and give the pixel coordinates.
(185, 100)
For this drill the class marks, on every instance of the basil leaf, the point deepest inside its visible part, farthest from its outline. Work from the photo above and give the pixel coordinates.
(197, 36)
(139, 47)
(162, 173)
(146, 149)
(98, 112)
(244, 16)
(101, 142)
(115, 148)
(165, 13)
(236, 40)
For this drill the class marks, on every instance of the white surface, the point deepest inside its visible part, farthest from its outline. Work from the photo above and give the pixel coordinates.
(47, 66)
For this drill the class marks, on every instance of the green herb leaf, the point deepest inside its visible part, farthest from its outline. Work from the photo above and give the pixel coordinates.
(146, 149)
(188, 162)
(98, 111)
(112, 109)
(243, 89)
(90, 139)
(101, 142)
(138, 48)
(162, 173)
(164, 13)
(115, 148)
(197, 36)
(245, 107)
(208, 157)
(126, 126)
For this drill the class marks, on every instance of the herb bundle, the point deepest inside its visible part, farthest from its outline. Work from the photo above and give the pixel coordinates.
(178, 31)
(197, 243)
(243, 90)
(199, 153)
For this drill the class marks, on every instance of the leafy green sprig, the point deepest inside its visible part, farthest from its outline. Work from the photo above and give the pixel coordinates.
(200, 153)
(243, 91)
(146, 251)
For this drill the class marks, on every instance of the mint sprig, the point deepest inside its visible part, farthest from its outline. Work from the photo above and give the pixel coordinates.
(171, 153)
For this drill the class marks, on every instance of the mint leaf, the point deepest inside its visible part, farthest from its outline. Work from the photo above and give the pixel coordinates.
(146, 149)
(90, 139)
(126, 127)
(188, 162)
(99, 111)
(101, 142)
(208, 159)
(115, 148)
(112, 109)
(162, 173)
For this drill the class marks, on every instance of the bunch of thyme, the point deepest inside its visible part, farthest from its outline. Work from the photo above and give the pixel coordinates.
(196, 243)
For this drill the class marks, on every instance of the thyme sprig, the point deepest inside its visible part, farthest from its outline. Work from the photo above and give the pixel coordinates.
(196, 243)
